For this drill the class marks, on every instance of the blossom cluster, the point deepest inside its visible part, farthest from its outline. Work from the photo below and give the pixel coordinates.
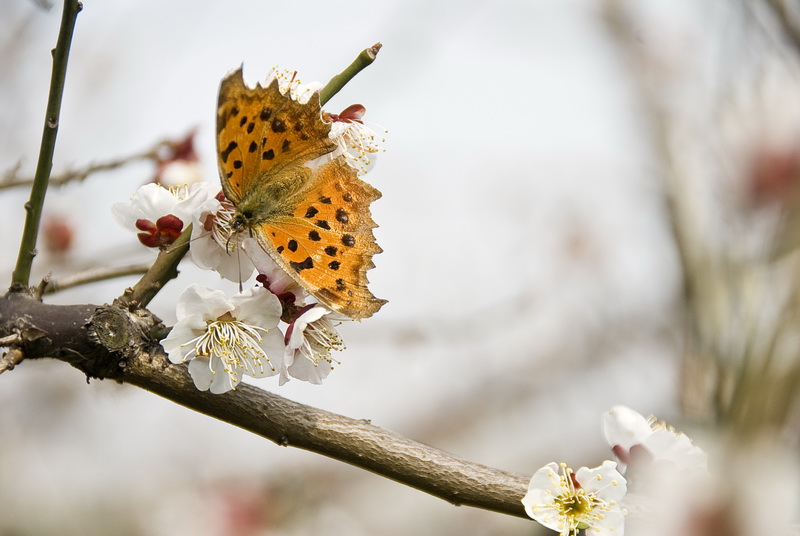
(658, 465)
(226, 338)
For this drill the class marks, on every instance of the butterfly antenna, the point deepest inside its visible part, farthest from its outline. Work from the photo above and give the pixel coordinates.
(239, 265)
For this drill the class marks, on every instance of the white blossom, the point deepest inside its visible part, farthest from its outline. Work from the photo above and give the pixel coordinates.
(226, 338)
(310, 339)
(161, 213)
(567, 502)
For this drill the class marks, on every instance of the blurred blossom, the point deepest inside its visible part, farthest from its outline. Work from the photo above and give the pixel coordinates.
(58, 235)
(570, 502)
(179, 165)
(226, 338)
(667, 474)
(634, 438)
(773, 176)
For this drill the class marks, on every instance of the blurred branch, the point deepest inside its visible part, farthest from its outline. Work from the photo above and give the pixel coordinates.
(362, 61)
(107, 342)
(12, 180)
(623, 32)
(741, 309)
(33, 208)
(94, 275)
(787, 20)
(703, 279)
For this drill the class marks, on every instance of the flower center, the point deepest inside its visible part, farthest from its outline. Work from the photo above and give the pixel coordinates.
(234, 343)
(575, 505)
(221, 225)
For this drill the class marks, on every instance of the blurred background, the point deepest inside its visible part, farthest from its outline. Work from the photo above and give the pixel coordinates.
(585, 203)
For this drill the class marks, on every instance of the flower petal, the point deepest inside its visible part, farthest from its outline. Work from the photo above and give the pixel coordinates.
(201, 373)
(306, 370)
(624, 427)
(210, 304)
(185, 330)
(258, 307)
(611, 524)
(604, 481)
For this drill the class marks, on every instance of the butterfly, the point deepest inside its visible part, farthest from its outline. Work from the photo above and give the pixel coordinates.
(314, 222)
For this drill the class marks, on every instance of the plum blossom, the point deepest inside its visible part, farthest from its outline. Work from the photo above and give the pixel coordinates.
(568, 502)
(355, 141)
(161, 214)
(310, 339)
(215, 245)
(311, 335)
(224, 339)
(179, 164)
(288, 82)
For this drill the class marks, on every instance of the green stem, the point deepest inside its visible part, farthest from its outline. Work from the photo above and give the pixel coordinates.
(336, 83)
(33, 208)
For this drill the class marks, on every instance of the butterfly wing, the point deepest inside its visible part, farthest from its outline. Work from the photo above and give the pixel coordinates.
(261, 132)
(326, 242)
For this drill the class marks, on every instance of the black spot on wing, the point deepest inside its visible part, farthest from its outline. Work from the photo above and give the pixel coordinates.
(227, 151)
(300, 266)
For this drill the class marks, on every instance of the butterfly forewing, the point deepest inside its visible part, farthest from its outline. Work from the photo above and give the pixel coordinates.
(260, 132)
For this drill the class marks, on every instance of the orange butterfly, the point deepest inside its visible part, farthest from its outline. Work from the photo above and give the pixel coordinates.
(314, 223)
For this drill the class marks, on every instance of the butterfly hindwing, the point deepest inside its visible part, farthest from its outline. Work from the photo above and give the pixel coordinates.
(326, 243)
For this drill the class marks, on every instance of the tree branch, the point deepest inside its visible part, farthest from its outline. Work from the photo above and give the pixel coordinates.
(33, 208)
(11, 180)
(109, 342)
(93, 275)
(163, 269)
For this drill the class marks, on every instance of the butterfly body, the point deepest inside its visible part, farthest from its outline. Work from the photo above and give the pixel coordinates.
(312, 218)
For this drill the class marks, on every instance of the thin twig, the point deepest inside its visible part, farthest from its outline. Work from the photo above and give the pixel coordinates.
(11, 359)
(33, 208)
(94, 275)
(8, 340)
(11, 180)
(163, 269)
(336, 83)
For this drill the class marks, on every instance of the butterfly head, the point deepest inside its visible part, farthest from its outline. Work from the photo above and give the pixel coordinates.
(241, 220)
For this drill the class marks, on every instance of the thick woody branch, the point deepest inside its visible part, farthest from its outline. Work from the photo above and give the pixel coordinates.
(108, 342)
